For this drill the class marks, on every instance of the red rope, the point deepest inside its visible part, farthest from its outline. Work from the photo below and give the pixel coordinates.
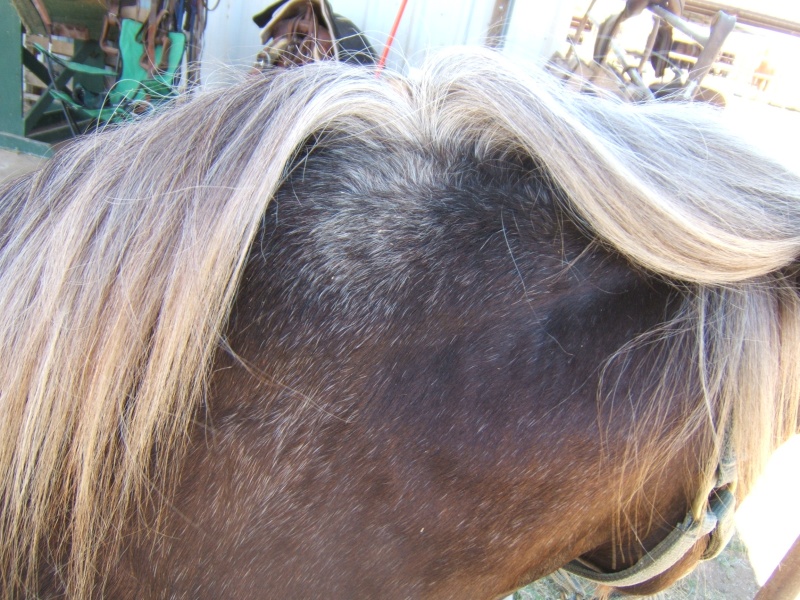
(382, 61)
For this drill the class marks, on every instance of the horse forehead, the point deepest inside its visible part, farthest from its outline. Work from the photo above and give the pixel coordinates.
(451, 279)
(423, 211)
(461, 245)
(460, 277)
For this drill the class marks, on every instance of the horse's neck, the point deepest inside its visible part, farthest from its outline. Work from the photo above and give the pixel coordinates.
(408, 428)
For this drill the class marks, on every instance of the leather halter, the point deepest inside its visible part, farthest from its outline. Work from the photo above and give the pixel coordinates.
(716, 521)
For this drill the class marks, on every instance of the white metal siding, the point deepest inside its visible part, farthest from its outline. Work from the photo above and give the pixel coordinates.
(425, 26)
(535, 29)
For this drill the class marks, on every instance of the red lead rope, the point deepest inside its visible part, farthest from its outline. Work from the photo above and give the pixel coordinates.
(382, 61)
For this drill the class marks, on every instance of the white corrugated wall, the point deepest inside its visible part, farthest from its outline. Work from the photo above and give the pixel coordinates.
(536, 28)
(425, 25)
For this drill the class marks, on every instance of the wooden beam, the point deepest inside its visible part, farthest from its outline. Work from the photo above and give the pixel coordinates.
(31, 19)
(706, 9)
(784, 583)
(77, 19)
(498, 24)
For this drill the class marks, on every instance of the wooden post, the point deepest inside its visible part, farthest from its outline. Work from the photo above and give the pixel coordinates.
(498, 25)
(784, 584)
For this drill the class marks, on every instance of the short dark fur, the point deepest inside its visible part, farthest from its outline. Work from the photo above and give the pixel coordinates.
(426, 361)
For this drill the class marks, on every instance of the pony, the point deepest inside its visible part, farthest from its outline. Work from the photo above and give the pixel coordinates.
(323, 333)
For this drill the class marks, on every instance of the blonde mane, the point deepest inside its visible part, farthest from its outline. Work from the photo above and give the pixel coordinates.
(119, 262)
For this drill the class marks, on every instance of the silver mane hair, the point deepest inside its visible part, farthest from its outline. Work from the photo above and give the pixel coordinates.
(120, 260)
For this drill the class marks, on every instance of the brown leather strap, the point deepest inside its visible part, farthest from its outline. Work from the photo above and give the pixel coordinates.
(156, 33)
(110, 21)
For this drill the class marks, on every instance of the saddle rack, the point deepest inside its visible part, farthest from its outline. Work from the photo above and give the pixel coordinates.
(623, 77)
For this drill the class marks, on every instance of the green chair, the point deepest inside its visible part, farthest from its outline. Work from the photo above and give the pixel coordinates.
(133, 91)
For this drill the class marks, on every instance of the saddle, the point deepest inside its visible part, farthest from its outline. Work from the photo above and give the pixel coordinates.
(296, 32)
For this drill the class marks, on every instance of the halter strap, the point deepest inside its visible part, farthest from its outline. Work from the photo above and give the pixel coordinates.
(716, 520)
